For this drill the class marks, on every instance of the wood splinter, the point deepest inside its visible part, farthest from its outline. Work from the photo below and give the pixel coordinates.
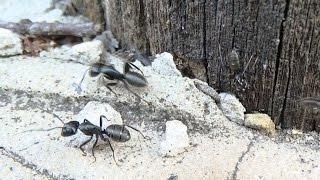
(52, 29)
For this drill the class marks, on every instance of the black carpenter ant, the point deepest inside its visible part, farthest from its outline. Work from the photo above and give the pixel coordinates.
(109, 72)
(116, 132)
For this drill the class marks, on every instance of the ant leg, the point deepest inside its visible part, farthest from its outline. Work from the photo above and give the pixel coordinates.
(86, 142)
(145, 137)
(107, 85)
(111, 84)
(102, 116)
(137, 68)
(140, 98)
(106, 139)
(129, 65)
(41, 129)
(126, 67)
(94, 145)
(55, 115)
(78, 88)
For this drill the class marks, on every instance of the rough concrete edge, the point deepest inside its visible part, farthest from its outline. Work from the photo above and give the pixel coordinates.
(21, 160)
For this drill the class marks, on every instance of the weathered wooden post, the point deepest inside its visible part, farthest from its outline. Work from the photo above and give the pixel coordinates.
(267, 52)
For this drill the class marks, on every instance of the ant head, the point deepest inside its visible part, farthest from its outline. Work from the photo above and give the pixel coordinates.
(95, 69)
(70, 128)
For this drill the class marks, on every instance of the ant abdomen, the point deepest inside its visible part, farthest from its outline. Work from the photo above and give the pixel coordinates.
(118, 133)
(136, 79)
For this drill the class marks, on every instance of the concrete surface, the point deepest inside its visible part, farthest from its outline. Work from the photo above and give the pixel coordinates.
(84, 53)
(232, 108)
(10, 43)
(219, 149)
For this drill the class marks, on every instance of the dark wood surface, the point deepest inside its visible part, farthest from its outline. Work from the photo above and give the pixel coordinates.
(264, 51)
(93, 9)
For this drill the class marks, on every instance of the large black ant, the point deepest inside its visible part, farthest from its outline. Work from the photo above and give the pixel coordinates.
(109, 72)
(116, 132)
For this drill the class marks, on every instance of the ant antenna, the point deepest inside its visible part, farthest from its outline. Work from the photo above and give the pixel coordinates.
(78, 87)
(55, 115)
(41, 129)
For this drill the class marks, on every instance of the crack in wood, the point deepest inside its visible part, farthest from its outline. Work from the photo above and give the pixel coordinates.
(143, 27)
(102, 11)
(233, 25)
(284, 103)
(278, 58)
(215, 8)
(204, 43)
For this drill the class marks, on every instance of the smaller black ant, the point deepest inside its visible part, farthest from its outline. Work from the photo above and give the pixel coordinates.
(109, 72)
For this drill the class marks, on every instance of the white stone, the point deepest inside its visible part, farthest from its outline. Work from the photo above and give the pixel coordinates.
(10, 43)
(176, 138)
(87, 52)
(296, 132)
(232, 108)
(164, 65)
(309, 138)
(261, 122)
(94, 109)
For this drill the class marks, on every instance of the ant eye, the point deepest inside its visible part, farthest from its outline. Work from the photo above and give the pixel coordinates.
(94, 73)
(68, 132)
